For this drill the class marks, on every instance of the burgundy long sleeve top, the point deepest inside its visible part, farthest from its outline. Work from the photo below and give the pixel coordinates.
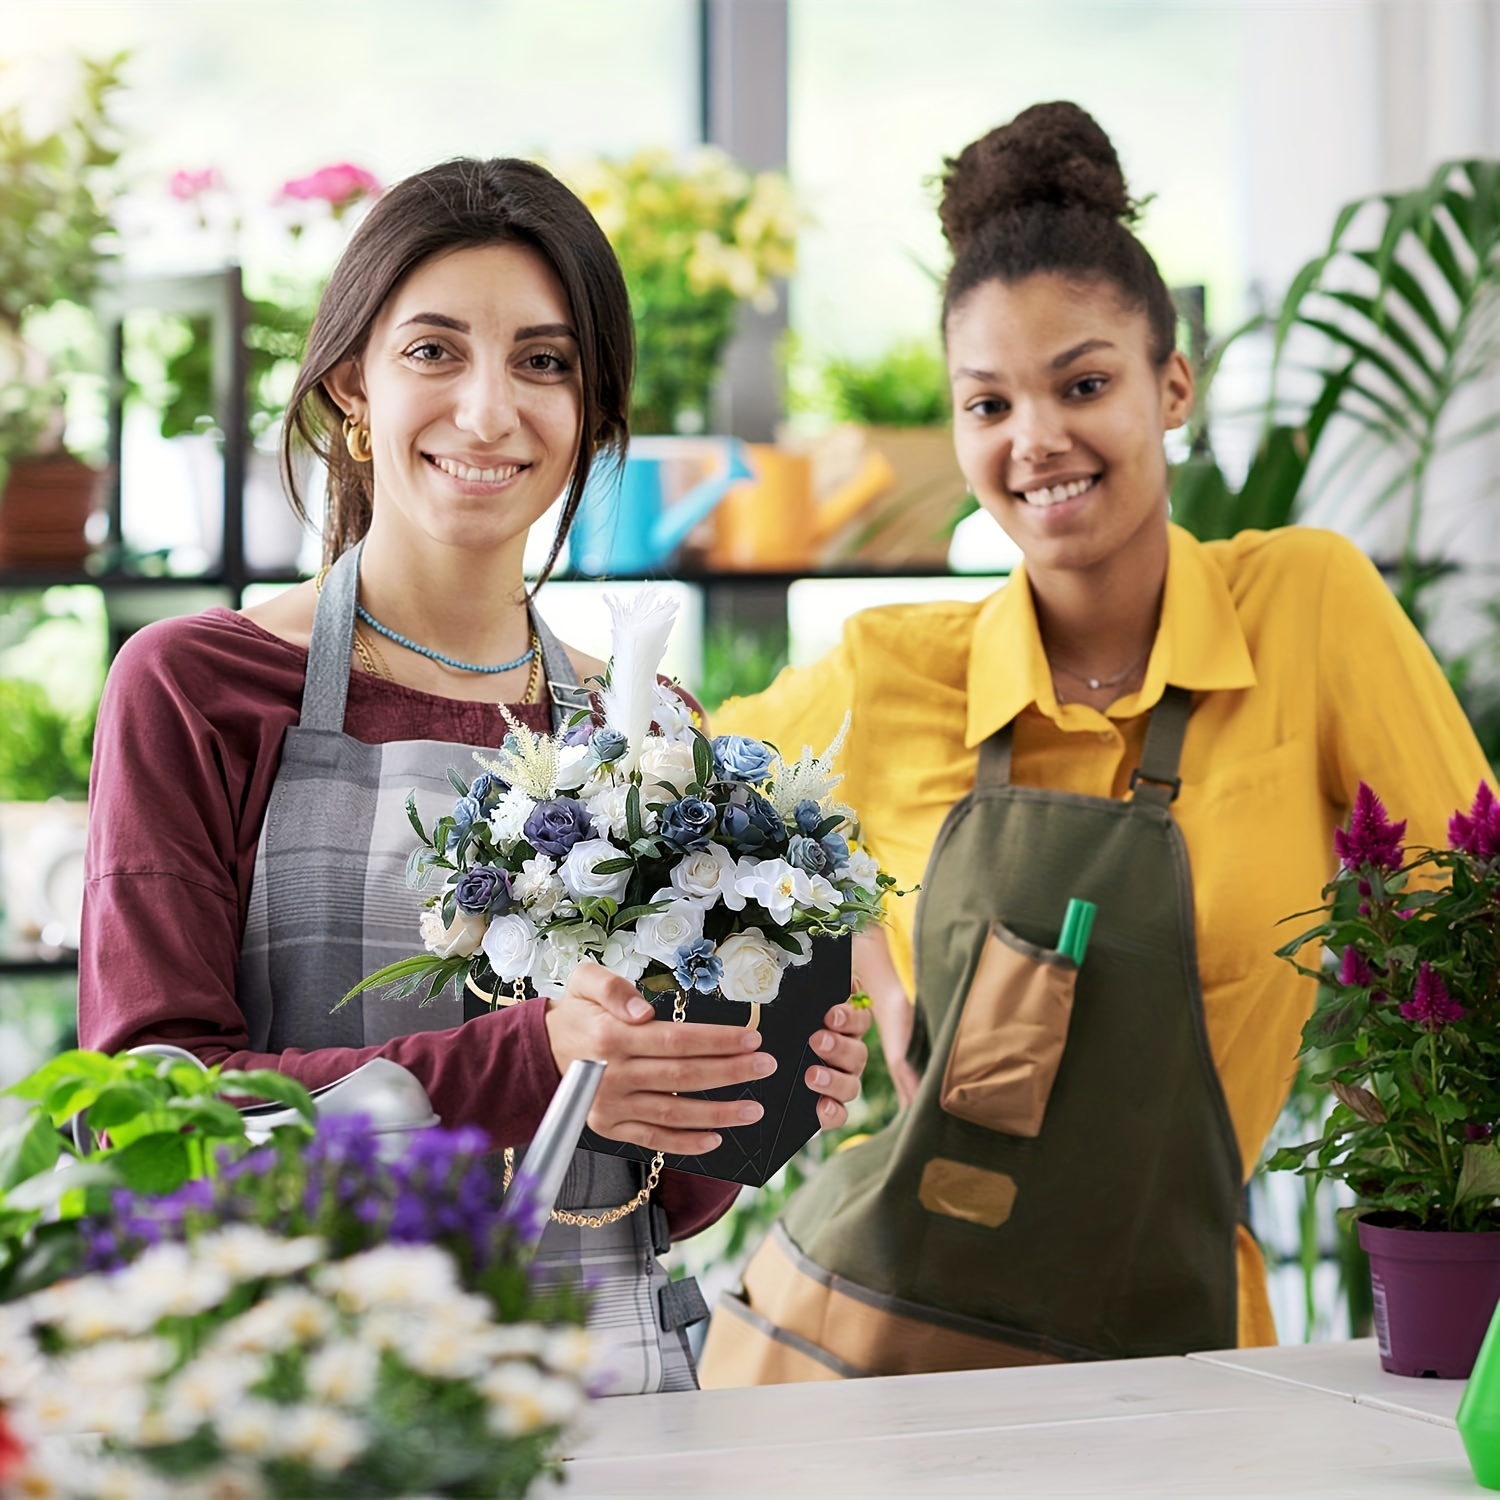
(187, 748)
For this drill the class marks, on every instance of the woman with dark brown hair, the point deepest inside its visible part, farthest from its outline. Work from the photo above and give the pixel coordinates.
(469, 364)
(1167, 730)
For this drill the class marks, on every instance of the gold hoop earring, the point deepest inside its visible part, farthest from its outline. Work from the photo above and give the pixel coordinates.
(357, 440)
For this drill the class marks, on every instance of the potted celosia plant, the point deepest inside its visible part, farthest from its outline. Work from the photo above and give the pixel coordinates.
(1405, 1034)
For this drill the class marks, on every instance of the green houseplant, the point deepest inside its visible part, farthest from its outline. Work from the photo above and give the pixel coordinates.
(1405, 1031)
(55, 229)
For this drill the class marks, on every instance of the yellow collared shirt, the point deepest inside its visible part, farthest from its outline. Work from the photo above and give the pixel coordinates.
(1309, 679)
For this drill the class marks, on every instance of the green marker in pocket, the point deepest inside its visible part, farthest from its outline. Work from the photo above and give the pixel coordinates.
(1078, 923)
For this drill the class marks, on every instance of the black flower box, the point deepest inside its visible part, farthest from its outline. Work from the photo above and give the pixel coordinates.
(753, 1154)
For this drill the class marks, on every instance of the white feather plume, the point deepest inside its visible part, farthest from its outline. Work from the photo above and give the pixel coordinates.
(642, 625)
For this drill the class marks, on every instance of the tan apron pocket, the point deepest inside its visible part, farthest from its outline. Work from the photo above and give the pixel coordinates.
(1011, 1035)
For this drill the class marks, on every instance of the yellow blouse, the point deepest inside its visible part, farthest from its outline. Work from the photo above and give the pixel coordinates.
(1310, 679)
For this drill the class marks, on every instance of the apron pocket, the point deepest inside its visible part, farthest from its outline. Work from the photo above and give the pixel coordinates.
(1011, 1035)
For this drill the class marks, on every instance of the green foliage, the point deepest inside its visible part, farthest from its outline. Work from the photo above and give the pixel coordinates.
(44, 751)
(1418, 1091)
(738, 661)
(907, 386)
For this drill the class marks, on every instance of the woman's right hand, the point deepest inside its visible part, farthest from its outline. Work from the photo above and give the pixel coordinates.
(649, 1064)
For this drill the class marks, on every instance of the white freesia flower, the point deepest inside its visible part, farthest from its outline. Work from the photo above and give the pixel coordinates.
(320, 1437)
(446, 1352)
(660, 935)
(111, 1411)
(20, 1363)
(116, 1479)
(782, 890)
(607, 809)
(622, 956)
(290, 1315)
(210, 1385)
(707, 875)
(861, 868)
(519, 1339)
(343, 1373)
(172, 1282)
(583, 880)
(673, 718)
(420, 1276)
(457, 939)
(820, 893)
(50, 1407)
(667, 768)
(568, 1351)
(510, 947)
(752, 968)
(91, 1308)
(508, 820)
(522, 1399)
(246, 1252)
(119, 1362)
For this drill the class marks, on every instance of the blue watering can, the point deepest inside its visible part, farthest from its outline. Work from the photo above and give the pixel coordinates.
(626, 523)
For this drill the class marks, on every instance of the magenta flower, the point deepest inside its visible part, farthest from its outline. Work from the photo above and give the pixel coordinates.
(1372, 839)
(1355, 970)
(340, 186)
(1478, 833)
(185, 186)
(1431, 1006)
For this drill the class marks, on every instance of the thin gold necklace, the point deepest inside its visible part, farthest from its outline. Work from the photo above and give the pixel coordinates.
(1097, 684)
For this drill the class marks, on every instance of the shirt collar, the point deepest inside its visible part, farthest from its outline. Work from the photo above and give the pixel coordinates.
(1199, 646)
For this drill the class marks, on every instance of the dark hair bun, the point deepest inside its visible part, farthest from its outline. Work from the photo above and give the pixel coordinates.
(1049, 154)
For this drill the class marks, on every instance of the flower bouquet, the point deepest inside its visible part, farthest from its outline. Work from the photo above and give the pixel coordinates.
(704, 871)
(314, 1320)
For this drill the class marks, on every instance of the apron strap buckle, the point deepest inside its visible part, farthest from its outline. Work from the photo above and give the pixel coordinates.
(1172, 785)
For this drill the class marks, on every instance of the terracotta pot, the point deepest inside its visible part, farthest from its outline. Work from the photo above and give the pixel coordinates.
(1435, 1293)
(45, 506)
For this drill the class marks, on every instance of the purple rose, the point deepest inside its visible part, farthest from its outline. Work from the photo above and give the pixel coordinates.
(484, 891)
(554, 827)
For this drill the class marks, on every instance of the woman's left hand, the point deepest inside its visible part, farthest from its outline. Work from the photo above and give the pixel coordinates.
(836, 1078)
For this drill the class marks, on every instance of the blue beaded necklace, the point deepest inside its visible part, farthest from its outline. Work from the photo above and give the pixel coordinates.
(431, 655)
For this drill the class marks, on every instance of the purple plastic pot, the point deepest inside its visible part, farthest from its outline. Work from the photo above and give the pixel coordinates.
(1435, 1292)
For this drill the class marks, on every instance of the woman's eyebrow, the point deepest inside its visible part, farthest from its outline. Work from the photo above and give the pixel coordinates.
(438, 320)
(547, 331)
(1088, 346)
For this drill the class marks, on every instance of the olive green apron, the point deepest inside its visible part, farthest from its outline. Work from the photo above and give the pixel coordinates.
(1066, 1183)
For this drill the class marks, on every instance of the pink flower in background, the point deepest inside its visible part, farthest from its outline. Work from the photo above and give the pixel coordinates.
(340, 186)
(1372, 839)
(1431, 1006)
(1478, 833)
(185, 185)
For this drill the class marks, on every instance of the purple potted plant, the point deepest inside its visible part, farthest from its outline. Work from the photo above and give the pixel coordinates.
(1405, 1034)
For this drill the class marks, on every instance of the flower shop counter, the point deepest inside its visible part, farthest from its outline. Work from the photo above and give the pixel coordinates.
(1302, 1421)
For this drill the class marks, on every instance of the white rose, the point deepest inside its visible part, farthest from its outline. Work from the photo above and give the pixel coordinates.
(752, 968)
(667, 768)
(508, 821)
(510, 947)
(580, 877)
(622, 956)
(663, 933)
(559, 952)
(572, 767)
(607, 809)
(705, 876)
(457, 939)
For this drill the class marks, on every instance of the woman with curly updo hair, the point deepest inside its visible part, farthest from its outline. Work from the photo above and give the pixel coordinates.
(1164, 731)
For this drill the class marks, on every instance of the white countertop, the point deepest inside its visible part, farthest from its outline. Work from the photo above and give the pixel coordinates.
(1304, 1421)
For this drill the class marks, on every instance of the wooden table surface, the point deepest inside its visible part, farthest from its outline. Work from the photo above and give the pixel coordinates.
(1317, 1420)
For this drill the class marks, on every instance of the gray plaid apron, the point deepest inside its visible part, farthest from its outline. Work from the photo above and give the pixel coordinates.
(329, 904)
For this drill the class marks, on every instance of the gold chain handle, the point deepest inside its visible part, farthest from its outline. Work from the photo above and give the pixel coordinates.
(612, 1215)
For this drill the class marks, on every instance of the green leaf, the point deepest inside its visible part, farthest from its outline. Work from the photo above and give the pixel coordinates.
(633, 826)
(405, 968)
(87, 1067)
(28, 1146)
(703, 758)
(613, 866)
(265, 1084)
(415, 818)
(1479, 1176)
(155, 1164)
(1338, 1021)
(212, 1117)
(45, 1191)
(122, 1104)
(457, 782)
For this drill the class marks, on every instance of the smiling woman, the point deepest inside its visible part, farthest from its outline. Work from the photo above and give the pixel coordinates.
(1163, 730)
(470, 362)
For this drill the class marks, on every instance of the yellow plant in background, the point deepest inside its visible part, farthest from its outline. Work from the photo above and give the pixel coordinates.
(695, 237)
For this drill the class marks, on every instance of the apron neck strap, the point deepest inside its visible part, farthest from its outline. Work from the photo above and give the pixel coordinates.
(564, 691)
(1154, 782)
(326, 690)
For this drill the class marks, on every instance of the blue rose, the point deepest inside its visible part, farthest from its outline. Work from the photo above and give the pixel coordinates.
(554, 827)
(736, 828)
(466, 813)
(836, 846)
(803, 853)
(765, 817)
(807, 815)
(689, 823)
(608, 745)
(699, 967)
(484, 891)
(487, 790)
(737, 757)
